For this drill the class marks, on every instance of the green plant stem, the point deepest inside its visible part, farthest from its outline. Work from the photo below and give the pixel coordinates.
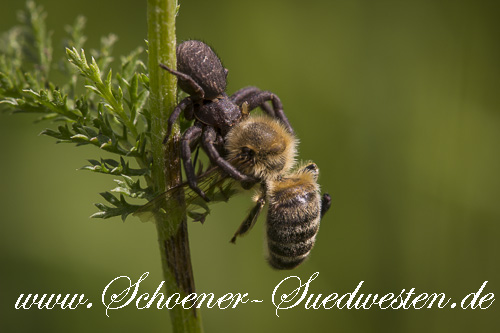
(172, 230)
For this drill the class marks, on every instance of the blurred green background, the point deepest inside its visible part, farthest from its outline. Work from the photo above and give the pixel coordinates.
(396, 101)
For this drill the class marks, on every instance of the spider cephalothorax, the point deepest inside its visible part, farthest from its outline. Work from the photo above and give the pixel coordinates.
(201, 74)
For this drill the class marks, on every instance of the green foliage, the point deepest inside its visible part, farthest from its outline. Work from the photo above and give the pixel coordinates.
(217, 187)
(106, 111)
(113, 167)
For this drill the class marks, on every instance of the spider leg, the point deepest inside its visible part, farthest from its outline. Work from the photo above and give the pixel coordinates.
(255, 97)
(196, 155)
(220, 144)
(326, 202)
(207, 141)
(249, 185)
(240, 96)
(191, 134)
(196, 88)
(183, 105)
(260, 98)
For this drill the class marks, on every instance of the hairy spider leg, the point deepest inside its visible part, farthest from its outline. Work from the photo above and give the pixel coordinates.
(185, 104)
(240, 96)
(255, 97)
(196, 157)
(198, 90)
(207, 140)
(190, 135)
(260, 98)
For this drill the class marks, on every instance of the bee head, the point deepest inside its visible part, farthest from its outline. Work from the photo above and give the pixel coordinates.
(247, 154)
(262, 146)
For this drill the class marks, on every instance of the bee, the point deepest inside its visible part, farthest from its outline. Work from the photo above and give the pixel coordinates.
(295, 208)
(261, 147)
(264, 149)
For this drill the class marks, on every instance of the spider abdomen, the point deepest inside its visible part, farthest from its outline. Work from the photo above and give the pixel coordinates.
(199, 61)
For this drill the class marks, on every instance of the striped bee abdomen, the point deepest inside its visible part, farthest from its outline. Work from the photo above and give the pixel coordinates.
(292, 220)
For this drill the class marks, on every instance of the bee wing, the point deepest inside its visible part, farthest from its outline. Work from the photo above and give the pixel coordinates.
(250, 220)
(216, 185)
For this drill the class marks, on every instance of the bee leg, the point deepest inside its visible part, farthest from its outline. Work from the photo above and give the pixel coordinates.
(255, 97)
(250, 220)
(183, 105)
(241, 96)
(326, 202)
(195, 90)
(207, 141)
(191, 134)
